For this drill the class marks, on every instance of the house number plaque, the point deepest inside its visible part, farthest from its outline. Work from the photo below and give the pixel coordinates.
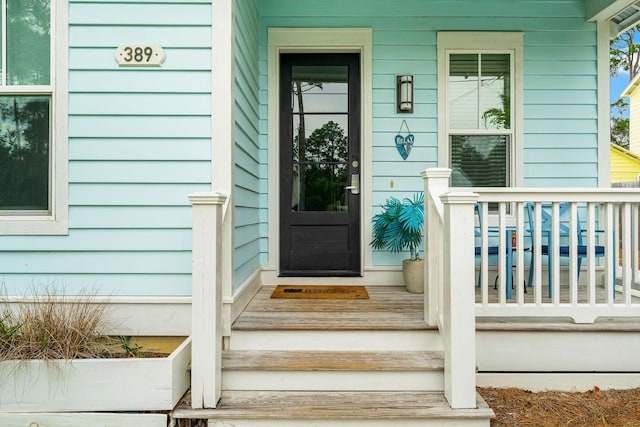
(151, 55)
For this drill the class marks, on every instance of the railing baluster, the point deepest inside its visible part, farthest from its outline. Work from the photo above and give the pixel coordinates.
(502, 250)
(610, 227)
(537, 268)
(573, 254)
(591, 242)
(484, 257)
(519, 276)
(635, 231)
(554, 250)
(626, 252)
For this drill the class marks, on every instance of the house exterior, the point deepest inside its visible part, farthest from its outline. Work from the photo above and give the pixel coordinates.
(625, 165)
(184, 154)
(631, 92)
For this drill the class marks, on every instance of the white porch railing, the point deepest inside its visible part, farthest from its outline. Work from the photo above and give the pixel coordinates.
(206, 305)
(449, 300)
(608, 283)
(604, 286)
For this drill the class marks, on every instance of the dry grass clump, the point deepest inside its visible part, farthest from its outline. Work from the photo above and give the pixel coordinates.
(53, 326)
(521, 408)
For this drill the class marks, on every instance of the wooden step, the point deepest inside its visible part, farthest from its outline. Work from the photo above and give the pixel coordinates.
(302, 409)
(332, 370)
(247, 360)
(345, 340)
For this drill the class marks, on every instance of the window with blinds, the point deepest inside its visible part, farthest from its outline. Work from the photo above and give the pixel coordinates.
(479, 129)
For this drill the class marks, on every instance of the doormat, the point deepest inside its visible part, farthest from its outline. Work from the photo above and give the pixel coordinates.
(320, 292)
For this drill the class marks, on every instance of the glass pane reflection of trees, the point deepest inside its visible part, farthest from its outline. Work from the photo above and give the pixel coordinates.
(320, 119)
(318, 182)
(24, 152)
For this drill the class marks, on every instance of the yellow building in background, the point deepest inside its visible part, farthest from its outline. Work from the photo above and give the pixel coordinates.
(625, 166)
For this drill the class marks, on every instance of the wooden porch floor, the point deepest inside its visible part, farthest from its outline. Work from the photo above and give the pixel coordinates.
(388, 308)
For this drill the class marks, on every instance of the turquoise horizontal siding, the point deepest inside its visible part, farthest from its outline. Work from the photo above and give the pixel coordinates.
(139, 148)
(139, 143)
(560, 87)
(248, 252)
(141, 104)
(130, 217)
(140, 81)
(96, 239)
(148, 172)
(126, 284)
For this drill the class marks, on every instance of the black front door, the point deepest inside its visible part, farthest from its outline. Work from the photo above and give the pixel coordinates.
(320, 164)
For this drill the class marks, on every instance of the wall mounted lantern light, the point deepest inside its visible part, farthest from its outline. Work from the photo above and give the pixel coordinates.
(404, 94)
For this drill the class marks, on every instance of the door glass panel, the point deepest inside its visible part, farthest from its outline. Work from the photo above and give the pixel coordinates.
(320, 137)
(317, 89)
(319, 187)
(320, 121)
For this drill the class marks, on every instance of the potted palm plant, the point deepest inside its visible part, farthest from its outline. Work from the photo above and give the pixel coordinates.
(398, 228)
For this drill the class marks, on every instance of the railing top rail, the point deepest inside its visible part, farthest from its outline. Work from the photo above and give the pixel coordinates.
(522, 194)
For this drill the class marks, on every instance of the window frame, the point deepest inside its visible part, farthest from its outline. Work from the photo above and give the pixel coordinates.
(55, 220)
(483, 43)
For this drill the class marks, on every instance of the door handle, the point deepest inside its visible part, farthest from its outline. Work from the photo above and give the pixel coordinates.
(355, 184)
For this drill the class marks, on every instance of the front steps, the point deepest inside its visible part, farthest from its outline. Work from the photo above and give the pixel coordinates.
(339, 409)
(335, 363)
(332, 370)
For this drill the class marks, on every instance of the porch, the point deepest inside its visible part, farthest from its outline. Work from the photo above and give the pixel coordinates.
(444, 336)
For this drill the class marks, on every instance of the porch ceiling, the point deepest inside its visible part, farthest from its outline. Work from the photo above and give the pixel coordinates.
(621, 14)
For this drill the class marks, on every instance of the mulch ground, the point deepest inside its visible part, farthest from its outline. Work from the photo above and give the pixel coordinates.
(521, 408)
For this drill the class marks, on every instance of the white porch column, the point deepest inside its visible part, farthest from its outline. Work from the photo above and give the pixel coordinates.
(436, 182)
(223, 132)
(458, 317)
(206, 299)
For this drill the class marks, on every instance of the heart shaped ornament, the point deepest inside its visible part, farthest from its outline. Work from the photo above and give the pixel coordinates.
(404, 144)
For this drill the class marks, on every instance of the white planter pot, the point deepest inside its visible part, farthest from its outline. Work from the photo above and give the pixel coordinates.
(88, 385)
(413, 274)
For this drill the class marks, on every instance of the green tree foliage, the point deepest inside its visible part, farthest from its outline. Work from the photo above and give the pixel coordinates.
(624, 55)
(620, 124)
(623, 51)
(24, 120)
(24, 152)
(326, 168)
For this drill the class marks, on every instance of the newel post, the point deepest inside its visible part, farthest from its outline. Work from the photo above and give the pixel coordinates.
(459, 321)
(206, 300)
(436, 182)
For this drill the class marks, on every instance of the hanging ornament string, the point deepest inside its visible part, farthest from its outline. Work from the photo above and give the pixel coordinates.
(404, 144)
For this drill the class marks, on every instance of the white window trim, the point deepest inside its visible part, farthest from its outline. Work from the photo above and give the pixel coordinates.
(460, 42)
(320, 40)
(57, 221)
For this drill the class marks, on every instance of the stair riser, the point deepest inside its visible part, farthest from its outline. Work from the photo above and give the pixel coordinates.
(333, 380)
(337, 340)
(429, 422)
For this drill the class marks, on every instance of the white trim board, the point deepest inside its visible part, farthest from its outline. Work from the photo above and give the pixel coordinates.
(144, 316)
(83, 419)
(57, 221)
(558, 381)
(319, 40)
